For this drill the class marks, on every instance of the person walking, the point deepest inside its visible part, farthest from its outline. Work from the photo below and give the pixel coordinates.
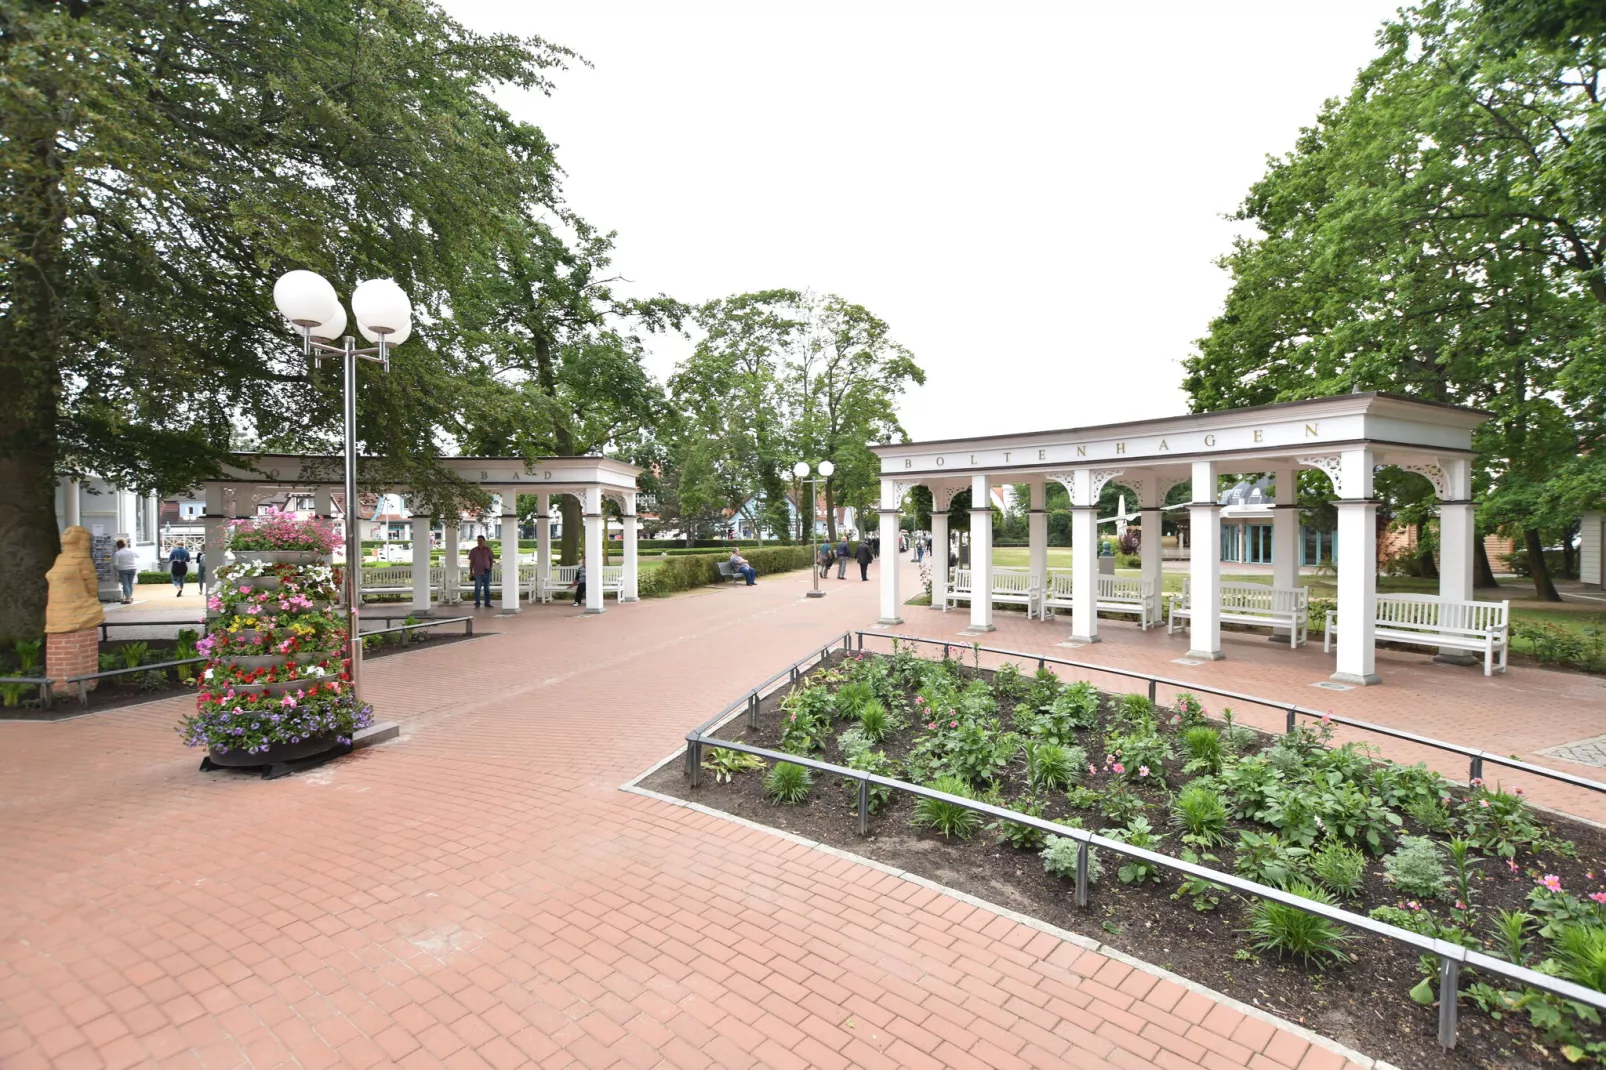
(479, 568)
(579, 583)
(842, 555)
(865, 556)
(827, 555)
(126, 562)
(920, 550)
(200, 570)
(178, 563)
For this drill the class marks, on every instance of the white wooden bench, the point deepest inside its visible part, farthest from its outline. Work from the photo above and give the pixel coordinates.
(1253, 604)
(1011, 586)
(562, 578)
(1424, 620)
(1116, 594)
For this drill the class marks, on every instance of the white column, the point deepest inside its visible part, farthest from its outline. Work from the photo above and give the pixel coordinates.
(1285, 529)
(510, 550)
(631, 575)
(451, 575)
(981, 555)
(73, 503)
(1151, 546)
(891, 603)
(1204, 565)
(1037, 539)
(420, 535)
(1457, 514)
(593, 535)
(939, 554)
(323, 501)
(543, 546)
(1357, 571)
(1084, 558)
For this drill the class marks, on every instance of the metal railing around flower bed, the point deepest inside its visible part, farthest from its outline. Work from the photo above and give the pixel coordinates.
(1475, 757)
(1452, 957)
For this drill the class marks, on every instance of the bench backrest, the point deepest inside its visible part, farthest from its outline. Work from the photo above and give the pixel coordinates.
(1110, 588)
(1253, 597)
(1428, 612)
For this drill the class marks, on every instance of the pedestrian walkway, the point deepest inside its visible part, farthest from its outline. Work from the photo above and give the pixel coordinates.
(480, 893)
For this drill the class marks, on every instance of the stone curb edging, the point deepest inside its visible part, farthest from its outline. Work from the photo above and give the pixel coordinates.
(1087, 943)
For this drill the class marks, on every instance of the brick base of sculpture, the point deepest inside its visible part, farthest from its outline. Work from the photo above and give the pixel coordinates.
(72, 654)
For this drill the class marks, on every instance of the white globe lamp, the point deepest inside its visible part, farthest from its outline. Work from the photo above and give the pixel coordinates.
(801, 469)
(306, 299)
(382, 310)
(826, 468)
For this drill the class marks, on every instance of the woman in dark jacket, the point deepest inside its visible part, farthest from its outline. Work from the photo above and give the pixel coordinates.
(864, 557)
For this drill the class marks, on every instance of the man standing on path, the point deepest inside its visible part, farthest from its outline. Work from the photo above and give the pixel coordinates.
(178, 561)
(842, 555)
(479, 567)
(866, 555)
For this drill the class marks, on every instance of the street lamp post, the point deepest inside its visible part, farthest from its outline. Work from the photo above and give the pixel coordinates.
(385, 317)
(801, 470)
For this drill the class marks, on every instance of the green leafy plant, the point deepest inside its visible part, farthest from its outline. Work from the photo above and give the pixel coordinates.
(872, 761)
(1120, 805)
(1497, 822)
(1059, 858)
(1291, 932)
(1135, 710)
(806, 719)
(725, 763)
(1138, 756)
(1513, 928)
(1202, 746)
(1357, 817)
(1053, 765)
(953, 820)
(1139, 833)
(1339, 867)
(1581, 953)
(1263, 857)
(1074, 707)
(1237, 737)
(1428, 812)
(1082, 798)
(184, 647)
(1190, 711)
(133, 655)
(30, 655)
(1417, 868)
(852, 742)
(1045, 689)
(850, 699)
(11, 695)
(1206, 894)
(1021, 837)
(1249, 784)
(874, 721)
(1010, 685)
(1200, 813)
(1293, 810)
(788, 783)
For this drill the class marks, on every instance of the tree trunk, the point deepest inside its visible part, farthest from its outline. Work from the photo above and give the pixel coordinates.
(1427, 569)
(31, 539)
(1569, 554)
(1544, 590)
(569, 543)
(1482, 574)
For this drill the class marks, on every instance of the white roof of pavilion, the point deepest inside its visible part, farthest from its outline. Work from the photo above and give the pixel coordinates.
(550, 475)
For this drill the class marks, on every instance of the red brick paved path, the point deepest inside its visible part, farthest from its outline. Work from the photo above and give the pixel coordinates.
(479, 893)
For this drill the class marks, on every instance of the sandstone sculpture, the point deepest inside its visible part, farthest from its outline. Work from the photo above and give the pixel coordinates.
(74, 588)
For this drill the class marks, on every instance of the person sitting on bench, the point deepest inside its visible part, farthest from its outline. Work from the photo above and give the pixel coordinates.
(739, 564)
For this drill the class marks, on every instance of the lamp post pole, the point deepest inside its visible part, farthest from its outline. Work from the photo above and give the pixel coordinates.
(801, 470)
(384, 317)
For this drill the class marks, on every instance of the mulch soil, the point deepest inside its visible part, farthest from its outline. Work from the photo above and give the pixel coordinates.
(132, 688)
(1362, 1003)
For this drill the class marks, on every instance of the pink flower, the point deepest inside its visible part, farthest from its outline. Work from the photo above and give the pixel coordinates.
(1143, 770)
(1484, 803)
(953, 724)
(1413, 905)
(1476, 782)
(1460, 905)
(1550, 881)
(1512, 863)
(288, 700)
(1599, 897)
(1092, 769)
(1327, 718)
(244, 589)
(1516, 791)
(1119, 768)
(933, 724)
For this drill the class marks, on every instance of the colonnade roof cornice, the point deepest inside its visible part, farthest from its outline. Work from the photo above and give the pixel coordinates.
(553, 475)
(1251, 439)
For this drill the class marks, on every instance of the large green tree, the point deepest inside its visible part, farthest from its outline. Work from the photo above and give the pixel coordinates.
(1439, 233)
(162, 163)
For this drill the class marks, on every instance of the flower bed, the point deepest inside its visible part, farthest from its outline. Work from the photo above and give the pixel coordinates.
(1470, 865)
(277, 675)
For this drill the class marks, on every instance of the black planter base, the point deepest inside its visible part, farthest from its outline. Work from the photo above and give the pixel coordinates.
(281, 759)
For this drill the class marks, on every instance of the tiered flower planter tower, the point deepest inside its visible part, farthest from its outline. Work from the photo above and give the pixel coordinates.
(276, 691)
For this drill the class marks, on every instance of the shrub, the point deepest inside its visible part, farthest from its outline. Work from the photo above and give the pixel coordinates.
(701, 570)
(1202, 745)
(1581, 951)
(1135, 710)
(1074, 707)
(1010, 685)
(1190, 711)
(1139, 755)
(953, 820)
(1293, 810)
(1249, 784)
(1120, 805)
(872, 761)
(1497, 822)
(1045, 689)
(1430, 813)
(806, 719)
(1417, 868)
(1050, 765)
(1293, 932)
(1340, 868)
(1138, 833)
(873, 721)
(1265, 858)
(1022, 837)
(1059, 858)
(788, 783)
(1353, 815)
(1199, 811)
(851, 698)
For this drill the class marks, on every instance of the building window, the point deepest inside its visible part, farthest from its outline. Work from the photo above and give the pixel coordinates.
(142, 521)
(1260, 544)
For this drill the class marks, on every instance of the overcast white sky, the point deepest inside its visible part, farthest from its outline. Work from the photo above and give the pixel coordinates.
(1030, 193)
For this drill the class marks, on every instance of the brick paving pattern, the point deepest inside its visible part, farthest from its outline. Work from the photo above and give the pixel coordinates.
(479, 893)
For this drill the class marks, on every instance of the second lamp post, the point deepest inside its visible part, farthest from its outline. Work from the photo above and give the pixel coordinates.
(801, 470)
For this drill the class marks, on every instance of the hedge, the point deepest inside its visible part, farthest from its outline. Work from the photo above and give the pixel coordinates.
(696, 570)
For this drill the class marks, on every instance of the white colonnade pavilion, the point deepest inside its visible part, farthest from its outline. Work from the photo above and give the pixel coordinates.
(254, 478)
(1347, 437)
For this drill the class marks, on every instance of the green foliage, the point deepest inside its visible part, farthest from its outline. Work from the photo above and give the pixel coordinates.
(1190, 711)
(1139, 755)
(1072, 708)
(1250, 784)
(1429, 812)
(1139, 833)
(1581, 951)
(1059, 858)
(866, 760)
(1082, 798)
(1205, 894)
(1263, 857)
(788, 784)
(1200, 813)
(976, 751)
(30, 653)
(11, 695)
(686, 573)
(807, 715)
(1514, 927)
(1339, 867)
(1295, 933)
(851, 698)
(1120, 805)
(1050, 765)
(1019, 836)
(1294, 810)
(725, 763)
(1010, 685)
(1497, 822)
(1045, 688)
(1202, 745)
(953, 820)
(874, 721)
(1417, 868)
(1356, 817)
